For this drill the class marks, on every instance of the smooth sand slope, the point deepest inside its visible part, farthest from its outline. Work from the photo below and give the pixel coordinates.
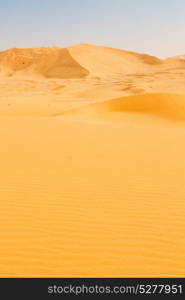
(170, 106)
(93, 165)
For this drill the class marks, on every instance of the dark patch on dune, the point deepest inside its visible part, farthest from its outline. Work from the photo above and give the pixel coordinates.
(64, 66)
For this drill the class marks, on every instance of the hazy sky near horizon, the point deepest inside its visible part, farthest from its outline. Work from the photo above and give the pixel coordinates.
(155, 27)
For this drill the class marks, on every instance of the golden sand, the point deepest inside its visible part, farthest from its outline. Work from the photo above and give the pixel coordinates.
(93, 167)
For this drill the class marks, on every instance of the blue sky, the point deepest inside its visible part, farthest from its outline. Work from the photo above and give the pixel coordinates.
(151, 26)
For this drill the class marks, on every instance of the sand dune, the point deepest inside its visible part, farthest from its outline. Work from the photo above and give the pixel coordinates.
(180, 57)
(92, 163)
(104, 61)
(79, 61)
(169, 106)
(86, 73)
(47, 62)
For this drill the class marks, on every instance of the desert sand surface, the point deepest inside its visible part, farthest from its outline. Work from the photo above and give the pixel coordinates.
(92, 163)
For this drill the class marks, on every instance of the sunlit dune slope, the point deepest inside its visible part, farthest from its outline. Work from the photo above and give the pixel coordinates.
(49, 62)
(105, 61)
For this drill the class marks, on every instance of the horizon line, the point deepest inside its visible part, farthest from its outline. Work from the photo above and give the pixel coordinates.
(94, 45)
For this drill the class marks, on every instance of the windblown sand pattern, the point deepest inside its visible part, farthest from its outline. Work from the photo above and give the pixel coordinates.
(92, 166)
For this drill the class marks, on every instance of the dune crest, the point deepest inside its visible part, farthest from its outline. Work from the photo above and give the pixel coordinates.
(81, 60)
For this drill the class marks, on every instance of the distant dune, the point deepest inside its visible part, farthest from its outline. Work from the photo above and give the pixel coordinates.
(180, 56)
(49, 62)
(76, 62)
(92, 163)
(80, 61)
(50, 80)
(104, 61)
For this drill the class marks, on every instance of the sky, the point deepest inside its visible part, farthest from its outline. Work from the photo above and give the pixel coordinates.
(156, 27)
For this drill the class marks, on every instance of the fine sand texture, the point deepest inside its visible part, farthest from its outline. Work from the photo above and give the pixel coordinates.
(92, 163)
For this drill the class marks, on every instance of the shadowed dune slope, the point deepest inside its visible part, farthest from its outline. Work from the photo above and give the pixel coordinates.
(49, 62)
(170, 106)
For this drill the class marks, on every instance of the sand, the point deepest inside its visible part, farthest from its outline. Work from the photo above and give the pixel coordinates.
(92, 163)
